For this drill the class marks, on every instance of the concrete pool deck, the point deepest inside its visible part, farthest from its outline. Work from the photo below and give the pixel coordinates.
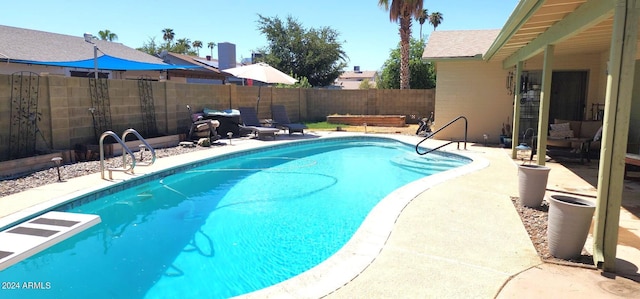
(461, 238)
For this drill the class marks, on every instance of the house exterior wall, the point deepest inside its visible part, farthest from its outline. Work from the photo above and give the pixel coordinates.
(10, 68)
(476, 90)
(594, 64)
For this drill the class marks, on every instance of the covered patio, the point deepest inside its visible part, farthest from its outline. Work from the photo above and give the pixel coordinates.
(574, 60)
(540, 31)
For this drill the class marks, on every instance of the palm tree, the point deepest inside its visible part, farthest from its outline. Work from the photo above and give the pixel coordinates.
(211, 45)
(435, 19)
(107, 35)
(168, 35)
(183, 45)
(197, 45)
(422, 18)
(403, 11)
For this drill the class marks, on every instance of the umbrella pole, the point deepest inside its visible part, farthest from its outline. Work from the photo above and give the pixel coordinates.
(258, 102)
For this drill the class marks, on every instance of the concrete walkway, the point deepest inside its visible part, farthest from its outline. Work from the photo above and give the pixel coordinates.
(461, 238)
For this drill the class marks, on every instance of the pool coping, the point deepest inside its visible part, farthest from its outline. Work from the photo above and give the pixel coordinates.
(336, 271)
(370, 238)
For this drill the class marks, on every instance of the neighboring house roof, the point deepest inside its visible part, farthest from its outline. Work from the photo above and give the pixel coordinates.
(459, 44)
(180, 59)
(357, 75)
(202, 70)
(353, 79)
(26, 44)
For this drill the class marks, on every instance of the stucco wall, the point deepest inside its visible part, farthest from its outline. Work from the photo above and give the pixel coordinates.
(594, 64)
(476, 90)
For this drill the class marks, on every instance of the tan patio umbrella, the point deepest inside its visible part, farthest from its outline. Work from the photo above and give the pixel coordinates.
(261, 72)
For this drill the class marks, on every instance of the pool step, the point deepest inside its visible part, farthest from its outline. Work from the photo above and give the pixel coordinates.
(30, 237)
(422, 163)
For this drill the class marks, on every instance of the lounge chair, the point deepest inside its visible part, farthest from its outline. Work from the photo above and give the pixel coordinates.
(281, 120)
(251, 123)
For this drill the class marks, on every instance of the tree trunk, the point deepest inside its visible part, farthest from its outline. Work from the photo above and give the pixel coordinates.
(405, 34)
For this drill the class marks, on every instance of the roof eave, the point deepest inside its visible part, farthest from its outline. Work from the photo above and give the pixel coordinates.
(520, 15)
(477, 57)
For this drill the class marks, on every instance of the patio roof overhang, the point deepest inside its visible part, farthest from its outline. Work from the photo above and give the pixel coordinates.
(572, 26)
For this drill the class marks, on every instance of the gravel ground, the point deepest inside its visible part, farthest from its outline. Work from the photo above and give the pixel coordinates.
(69, 171)
(534, 220)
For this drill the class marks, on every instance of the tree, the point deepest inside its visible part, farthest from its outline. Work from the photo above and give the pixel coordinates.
(366, 84)
(211, 45)
(435, 19)
(403, 11)
(302, 83)
(422, 74)
(197, 45)
(150, 47)
(168, 35)
(182, 46)
(422, 18)
(107, 35)
(312, 53)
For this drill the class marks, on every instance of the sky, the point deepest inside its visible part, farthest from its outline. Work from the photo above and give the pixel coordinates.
(364, 28)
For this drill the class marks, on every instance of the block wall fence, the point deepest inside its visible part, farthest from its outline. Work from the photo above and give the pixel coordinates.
(65, 120)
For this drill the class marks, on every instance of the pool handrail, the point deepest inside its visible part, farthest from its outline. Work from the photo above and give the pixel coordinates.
(142, 148)
(124, 148)
(429, 135)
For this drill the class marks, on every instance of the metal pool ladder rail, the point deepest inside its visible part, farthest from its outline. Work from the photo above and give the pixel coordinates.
(144, 146)
(126, 167)
(450, 142)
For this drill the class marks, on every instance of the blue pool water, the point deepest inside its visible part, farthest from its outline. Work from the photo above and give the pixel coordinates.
(229, 227)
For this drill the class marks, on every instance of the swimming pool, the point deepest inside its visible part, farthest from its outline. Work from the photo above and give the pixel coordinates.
(229, 227)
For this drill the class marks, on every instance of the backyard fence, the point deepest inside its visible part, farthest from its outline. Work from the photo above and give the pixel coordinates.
(69, 108)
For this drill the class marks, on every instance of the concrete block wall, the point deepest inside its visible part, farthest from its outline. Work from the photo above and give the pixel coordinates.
(66, 121)
(369, 102)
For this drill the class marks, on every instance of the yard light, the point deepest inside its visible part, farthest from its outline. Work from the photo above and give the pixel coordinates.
(57, 161)
(88, 37)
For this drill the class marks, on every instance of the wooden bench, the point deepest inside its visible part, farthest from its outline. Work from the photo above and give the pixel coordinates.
(630, 159)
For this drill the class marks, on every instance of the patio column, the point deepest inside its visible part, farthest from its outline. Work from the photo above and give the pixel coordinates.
(615, 132)
(517, 95)
(545, 97)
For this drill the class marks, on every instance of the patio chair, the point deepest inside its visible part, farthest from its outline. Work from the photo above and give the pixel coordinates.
(251, 123)
(281, 120)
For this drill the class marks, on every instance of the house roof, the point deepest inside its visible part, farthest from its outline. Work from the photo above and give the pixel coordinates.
(203, 63)
(459, 44)
(357, 75)
(26, 44)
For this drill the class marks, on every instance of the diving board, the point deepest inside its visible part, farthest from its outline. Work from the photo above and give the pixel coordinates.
(30, 237)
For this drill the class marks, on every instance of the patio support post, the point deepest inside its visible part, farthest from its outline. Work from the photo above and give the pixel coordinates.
(517, 95)
(621, 69)
(545, 97)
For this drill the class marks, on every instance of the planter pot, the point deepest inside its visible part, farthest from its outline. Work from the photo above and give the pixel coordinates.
(532, 184)
(507, 142)
(568, 226)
